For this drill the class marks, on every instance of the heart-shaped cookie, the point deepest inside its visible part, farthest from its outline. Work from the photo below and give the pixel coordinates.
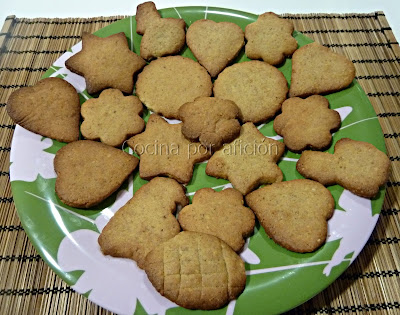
(88, 172)
(294, 213)
(214, 44)
(50, 108)
(318, 70)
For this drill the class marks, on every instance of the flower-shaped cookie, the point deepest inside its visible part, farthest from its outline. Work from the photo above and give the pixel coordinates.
(307, 123)
(270, 39)
(112, 117)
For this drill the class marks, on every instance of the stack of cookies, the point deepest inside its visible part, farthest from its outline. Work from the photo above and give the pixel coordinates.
(192, 258)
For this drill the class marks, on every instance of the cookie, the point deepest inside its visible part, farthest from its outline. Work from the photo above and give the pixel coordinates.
(318, 70)
(112, 117)
(355, 165)
(106, 63)
(270, 39)
(211, 120)
(169, 82)
(145, 221)
(88, 172)
(307, 123)
(248, 161)
(294, 213)
(164, 151)
(196, 271)
(257, 88)
(221, 214)
(49, 108)
(161, 37)
(214, 44)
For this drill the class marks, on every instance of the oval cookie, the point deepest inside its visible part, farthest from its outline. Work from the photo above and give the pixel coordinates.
(196, 271)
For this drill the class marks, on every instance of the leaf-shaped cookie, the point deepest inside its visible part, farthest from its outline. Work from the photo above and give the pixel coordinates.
(294, 213)
(318, 70)
(144, 221)
(88, 172)
(112, 117)
(49, 108)
(214, 44)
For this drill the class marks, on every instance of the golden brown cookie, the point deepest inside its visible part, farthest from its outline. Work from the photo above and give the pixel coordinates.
(307, 123)
(169, 82)
(211, 120)
(106, 63)
(257, 88)
(49, 108)
(144, 221)
(270, 39)
(164, 151)
(318, 70)
(196, 271)
(221, 214)
(248, 161)
(356, 165)
(214, 44)
(112, 117)
(88, 172)
(294, 213)
(161, 37)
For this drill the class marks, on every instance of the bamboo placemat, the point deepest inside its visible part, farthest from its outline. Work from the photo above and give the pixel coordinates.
(29, 46)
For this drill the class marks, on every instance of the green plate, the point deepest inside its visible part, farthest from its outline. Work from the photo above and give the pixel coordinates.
(278, 279)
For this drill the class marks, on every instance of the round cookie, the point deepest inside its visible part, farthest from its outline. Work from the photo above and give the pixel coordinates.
(196, 271)
(257, 88)
(169, 82)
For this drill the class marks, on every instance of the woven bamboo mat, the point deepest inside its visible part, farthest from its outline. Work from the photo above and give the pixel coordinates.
(29, 46)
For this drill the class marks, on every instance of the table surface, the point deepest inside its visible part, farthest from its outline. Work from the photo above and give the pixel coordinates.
(79, 8)
(27, 285)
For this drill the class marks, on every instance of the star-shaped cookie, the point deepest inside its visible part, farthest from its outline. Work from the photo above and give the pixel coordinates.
(270, 39)
(161, 36)
(164, 151)
(112, 117)
(307, 123)
(248, 161)
(106, 63)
